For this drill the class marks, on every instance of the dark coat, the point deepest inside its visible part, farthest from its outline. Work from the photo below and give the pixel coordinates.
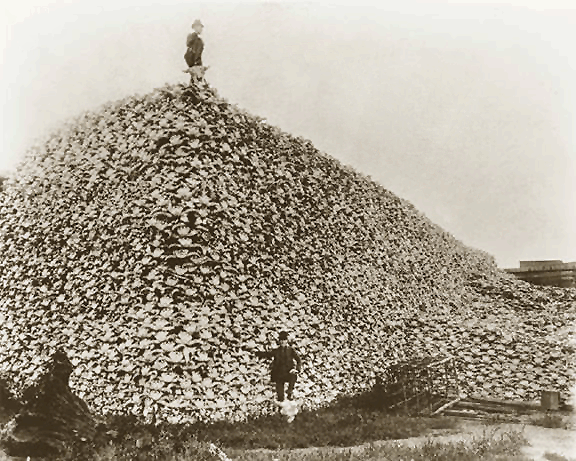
(284, 360)
(194, 48)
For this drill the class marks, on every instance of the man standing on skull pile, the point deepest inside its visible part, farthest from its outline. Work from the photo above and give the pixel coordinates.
(285, 366)
(194, 49)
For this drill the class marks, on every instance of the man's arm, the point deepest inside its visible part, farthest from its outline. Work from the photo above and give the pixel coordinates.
(265, 354)
(190, 39)
(297, 359)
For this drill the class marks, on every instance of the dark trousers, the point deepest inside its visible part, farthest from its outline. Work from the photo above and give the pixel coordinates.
(280, 388)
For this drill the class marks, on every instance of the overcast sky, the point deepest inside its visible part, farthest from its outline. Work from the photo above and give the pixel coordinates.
(465, 109)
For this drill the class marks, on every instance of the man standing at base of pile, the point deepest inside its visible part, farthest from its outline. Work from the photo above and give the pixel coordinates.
(194, 49)
(285, 367)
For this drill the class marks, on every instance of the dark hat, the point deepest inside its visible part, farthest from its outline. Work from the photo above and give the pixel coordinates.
(283, 335)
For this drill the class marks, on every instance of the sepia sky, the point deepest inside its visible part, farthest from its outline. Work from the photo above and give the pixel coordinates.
(466, 109)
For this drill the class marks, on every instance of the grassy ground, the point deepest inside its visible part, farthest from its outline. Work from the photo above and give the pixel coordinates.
(347, 430)
(556, 421)
(489, 446)
(346, 423)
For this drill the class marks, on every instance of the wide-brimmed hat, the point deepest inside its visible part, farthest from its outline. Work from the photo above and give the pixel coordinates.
(197, 22)
(283, 335)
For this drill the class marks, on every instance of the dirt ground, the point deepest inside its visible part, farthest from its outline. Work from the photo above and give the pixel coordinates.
(543, 441)
(557, 444)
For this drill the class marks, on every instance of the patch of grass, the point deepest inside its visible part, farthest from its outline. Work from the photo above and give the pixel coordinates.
(127, 450)
(555, 421)
(324, 433)
(125, 439)
(345, 423)
(491, 446)
(320, 429)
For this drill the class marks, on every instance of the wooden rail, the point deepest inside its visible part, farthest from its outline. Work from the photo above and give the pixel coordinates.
(420, 386)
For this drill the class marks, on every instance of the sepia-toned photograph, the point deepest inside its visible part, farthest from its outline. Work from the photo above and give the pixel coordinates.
(288, 230)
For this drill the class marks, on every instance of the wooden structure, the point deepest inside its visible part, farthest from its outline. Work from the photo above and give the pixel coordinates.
(419, 386)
